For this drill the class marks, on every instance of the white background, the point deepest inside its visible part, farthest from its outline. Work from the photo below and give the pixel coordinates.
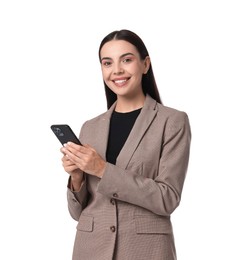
(50, 73)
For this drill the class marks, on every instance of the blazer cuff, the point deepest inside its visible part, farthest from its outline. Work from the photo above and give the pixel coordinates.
(109, 184)
(79, 195)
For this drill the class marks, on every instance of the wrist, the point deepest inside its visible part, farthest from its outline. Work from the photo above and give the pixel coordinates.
(102, 170)
(77, 177)
(76, 182)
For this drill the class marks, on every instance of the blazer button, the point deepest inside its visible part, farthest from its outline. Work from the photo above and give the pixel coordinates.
(112, 228)
(112, 201)
(115, 195)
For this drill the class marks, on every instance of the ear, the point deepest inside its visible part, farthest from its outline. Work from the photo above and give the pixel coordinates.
(147, 63)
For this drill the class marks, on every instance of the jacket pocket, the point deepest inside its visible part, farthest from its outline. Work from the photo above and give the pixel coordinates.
(152, 225)
(86, 223)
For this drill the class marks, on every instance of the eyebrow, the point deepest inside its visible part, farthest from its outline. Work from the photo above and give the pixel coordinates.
(126, 54)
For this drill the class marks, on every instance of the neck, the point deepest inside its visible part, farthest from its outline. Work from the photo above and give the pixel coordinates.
(125, 104)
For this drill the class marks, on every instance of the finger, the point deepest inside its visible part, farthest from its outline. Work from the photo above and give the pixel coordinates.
(74, 156)
(65, 157)
(67, 161)
(73, 145)
(62, 151)
(82, 148)
(71, 168)
(73, 148)
(76, 152)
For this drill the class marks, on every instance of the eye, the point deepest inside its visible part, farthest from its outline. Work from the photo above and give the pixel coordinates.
(106, 63)
(127, 60)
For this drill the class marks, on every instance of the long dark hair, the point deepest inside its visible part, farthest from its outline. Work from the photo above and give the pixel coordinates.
(148, 80)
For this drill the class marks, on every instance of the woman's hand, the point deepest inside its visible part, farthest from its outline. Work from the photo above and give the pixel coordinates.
(76, 174)
(82, 158)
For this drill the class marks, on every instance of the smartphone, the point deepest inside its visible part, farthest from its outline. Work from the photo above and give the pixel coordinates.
(65, 134)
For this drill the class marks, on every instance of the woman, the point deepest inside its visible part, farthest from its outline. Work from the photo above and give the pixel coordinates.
(127, 177)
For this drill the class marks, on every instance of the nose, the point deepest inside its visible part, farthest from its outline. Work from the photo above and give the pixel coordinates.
(118, 69)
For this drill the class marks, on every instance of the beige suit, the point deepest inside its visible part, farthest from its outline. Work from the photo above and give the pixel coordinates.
(126, 214)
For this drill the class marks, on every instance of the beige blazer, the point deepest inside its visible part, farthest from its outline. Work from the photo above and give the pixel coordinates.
(126, 214)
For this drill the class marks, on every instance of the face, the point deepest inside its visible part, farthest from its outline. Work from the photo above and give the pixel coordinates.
(122, 68)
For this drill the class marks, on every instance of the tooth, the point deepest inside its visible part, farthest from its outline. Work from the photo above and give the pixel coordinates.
(120, 81)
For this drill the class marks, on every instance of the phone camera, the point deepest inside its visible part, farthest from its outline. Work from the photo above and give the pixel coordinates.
(58, 131)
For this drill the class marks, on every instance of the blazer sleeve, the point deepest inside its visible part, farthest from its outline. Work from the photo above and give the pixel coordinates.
(162, 194)
(76, 200)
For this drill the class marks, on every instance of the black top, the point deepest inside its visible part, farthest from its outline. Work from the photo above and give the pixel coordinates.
(120, 127)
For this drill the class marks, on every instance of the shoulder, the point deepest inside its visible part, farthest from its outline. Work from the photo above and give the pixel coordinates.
(93, 126)
(174, 115)
(169, 116)
(97, 118)
(93, 122)
(175, 121)
(103, 117)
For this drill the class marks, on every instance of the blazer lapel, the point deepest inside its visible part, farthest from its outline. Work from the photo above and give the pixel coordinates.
(101, 139)
(142, 123)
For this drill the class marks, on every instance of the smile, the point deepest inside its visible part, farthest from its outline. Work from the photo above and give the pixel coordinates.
(120, 82)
